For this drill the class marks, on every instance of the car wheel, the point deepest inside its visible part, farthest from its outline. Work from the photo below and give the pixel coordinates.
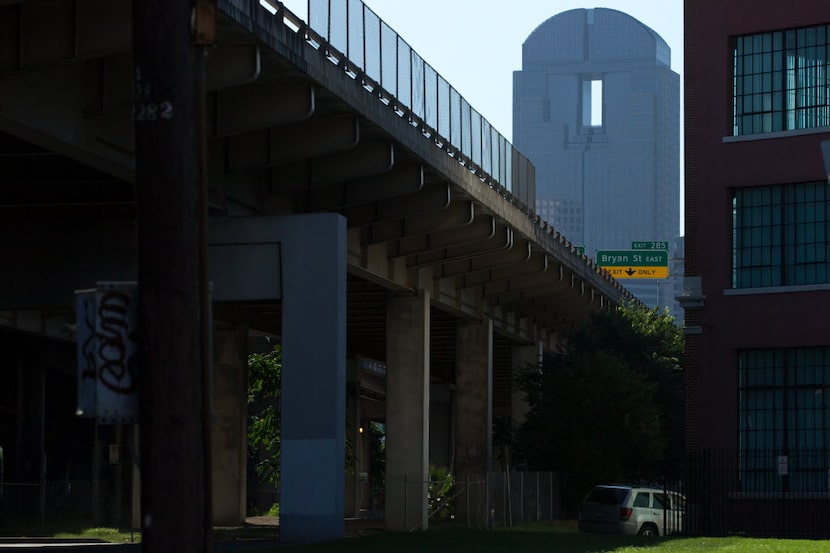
(648, 530)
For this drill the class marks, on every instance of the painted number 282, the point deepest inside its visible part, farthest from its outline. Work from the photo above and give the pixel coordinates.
(154, 112)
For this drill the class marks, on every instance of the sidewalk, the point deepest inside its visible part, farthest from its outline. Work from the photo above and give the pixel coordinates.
(261, 531)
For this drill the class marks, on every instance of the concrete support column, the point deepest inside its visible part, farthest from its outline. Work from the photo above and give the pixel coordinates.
(524, 357)
(353, 425)
(300, 259)
(474, 405)
(407, 411)
(229, 433)
(441, 434)
(313, 399)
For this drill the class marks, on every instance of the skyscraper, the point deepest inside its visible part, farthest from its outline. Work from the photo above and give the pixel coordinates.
(596, 108)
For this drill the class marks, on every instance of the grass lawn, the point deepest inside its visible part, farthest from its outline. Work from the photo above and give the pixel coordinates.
(537, 538)
(552, 539)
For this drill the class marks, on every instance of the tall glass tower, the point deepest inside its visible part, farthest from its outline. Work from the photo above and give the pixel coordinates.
(596, 108)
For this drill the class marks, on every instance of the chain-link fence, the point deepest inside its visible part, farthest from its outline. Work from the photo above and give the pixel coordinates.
(97, 489)
(508, 498)
(497, 499)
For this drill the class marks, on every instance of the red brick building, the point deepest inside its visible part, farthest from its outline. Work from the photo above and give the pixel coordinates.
(757, 286)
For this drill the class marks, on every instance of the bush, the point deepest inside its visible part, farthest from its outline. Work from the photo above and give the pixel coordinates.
(441, 486)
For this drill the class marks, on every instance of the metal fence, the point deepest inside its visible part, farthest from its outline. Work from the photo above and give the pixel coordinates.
(497, 499)
(91, 485)
(759, 493)
(712, 493)
(371, 51)
(502, 499)
(35, 504)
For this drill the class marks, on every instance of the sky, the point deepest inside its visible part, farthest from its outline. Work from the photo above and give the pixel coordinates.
(476, 45)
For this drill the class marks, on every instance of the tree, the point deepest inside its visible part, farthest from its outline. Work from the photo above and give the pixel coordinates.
(607, 407)
(264, 371)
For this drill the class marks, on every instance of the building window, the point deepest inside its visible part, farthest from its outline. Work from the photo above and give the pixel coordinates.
(780, 235)
(592, 103)
(783, 414)
(780, 80)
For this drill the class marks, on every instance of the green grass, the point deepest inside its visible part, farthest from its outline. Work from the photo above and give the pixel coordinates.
(64, 526)
(552, 539)
(536, 538)
(113, 535)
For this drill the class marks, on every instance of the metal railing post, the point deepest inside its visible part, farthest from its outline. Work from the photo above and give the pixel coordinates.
(405, 505)
(551, 495)
(487, 512)
(467, 498)
(521, 497)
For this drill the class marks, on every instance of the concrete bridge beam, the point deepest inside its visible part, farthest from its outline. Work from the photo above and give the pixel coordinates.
(400, 181)
(248, 108)
(430, 198)
(501, 241)
(458, 214)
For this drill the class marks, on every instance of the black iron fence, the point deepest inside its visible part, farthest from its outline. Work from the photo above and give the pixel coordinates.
(756, 493)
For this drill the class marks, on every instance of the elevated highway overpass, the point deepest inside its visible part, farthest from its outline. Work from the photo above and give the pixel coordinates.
(324, 156)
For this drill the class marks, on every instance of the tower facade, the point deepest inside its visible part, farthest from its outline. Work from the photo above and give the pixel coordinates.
(596, 108)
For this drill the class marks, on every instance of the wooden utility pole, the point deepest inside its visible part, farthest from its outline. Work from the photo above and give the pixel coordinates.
(175, 496)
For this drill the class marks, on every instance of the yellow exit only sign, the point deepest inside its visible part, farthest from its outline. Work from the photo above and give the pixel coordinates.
(638, 272)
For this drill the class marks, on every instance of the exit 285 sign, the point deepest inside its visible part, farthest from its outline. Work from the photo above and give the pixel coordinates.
(634, 263)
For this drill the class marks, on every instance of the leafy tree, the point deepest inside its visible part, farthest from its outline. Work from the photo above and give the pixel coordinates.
(264, 372)
(608, 406)
(264, 389)
(440, 492)
(377, 461)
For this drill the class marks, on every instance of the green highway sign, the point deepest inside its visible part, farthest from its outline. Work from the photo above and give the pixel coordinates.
(649, 245)
(632, 258)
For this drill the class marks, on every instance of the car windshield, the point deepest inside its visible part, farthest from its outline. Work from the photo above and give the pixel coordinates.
(607, 496)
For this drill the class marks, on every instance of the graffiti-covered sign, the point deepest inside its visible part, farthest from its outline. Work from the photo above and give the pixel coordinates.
(106, 322)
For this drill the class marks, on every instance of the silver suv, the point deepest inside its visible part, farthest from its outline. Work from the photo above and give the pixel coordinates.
(620, 509)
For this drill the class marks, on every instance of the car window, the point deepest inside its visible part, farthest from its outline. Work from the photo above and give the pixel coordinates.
(660, 501)
(607, 496)
(642, 499)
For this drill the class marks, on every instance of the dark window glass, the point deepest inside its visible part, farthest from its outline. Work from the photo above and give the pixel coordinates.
(780, 235)
(783, 413)
(607, 496)
(795, 61)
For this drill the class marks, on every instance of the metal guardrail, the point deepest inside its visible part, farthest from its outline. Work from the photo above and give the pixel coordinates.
(387, 66)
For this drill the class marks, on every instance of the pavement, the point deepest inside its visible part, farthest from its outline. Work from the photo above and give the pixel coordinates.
(257, 532)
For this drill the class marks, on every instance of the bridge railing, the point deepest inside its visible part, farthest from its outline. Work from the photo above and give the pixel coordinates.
(352, 36)
(390, 68)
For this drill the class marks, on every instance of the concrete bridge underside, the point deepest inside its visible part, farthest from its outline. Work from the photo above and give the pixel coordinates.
(439, 265)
